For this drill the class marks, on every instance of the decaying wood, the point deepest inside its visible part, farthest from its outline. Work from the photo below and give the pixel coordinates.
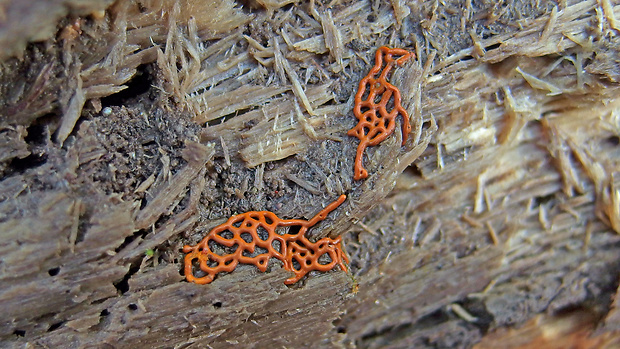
(129, 133)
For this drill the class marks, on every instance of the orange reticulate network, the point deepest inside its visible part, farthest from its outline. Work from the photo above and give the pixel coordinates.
(375, 122)
(241, 233)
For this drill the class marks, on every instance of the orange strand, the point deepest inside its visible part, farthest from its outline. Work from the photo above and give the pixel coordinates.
(375, 122)
(242, 235)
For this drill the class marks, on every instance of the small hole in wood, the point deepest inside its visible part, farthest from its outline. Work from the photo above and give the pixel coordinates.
(19, 333)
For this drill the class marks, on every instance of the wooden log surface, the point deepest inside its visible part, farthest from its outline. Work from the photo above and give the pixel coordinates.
(127, 134)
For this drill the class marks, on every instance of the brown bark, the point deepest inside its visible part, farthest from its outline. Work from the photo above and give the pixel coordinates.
(126, 135)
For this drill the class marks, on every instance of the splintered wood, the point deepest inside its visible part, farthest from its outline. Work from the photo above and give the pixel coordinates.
(502, 203)
(196, 156)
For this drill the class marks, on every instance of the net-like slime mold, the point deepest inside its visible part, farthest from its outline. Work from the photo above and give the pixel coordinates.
(251, 238)
(372, 101)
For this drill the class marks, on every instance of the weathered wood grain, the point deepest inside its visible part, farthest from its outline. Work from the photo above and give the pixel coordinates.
(501, 210)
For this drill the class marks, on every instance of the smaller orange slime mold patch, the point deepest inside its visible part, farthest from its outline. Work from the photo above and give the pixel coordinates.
(375, 122)
(251, 238)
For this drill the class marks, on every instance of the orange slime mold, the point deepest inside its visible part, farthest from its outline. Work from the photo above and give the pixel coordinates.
(375, 122)
(246, 232)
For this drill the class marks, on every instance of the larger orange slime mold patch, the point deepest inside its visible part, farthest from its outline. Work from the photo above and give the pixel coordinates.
(241, 237)
(375, 122)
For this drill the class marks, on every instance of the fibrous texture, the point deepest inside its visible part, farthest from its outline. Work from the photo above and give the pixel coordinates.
(375, 122)
(501, 205)
(251, 238)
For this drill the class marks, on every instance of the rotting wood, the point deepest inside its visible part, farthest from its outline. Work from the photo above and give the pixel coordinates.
(196, 156)
(502, 205)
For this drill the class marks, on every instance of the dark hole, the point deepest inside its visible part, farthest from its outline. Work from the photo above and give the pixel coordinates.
(141, 8)
(248, 6)
(478, 309)
(287, 7)
(268, 219)
(30, 161)
(568, 310)
(541, 200)
(99, 300)
(123, 285)
(132, 307)
(55, 326)
(547, 113)
(216, 122)
(104, 312)
(36, 135)
(131, 238)
(19, 333)
(467, 58)
(54, 271)
(82, 227)
(296, 265)
(614, 140)
(294, 230)
(493, 47)
(341, 330)
(434, 318)
(217, 305)
(414, 170)
(138, 85)
(371, 18)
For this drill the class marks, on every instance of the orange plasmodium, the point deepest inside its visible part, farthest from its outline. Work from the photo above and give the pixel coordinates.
(251, 238)
(372, 101)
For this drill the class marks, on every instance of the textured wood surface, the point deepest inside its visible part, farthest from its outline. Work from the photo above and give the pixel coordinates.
(132, 133)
